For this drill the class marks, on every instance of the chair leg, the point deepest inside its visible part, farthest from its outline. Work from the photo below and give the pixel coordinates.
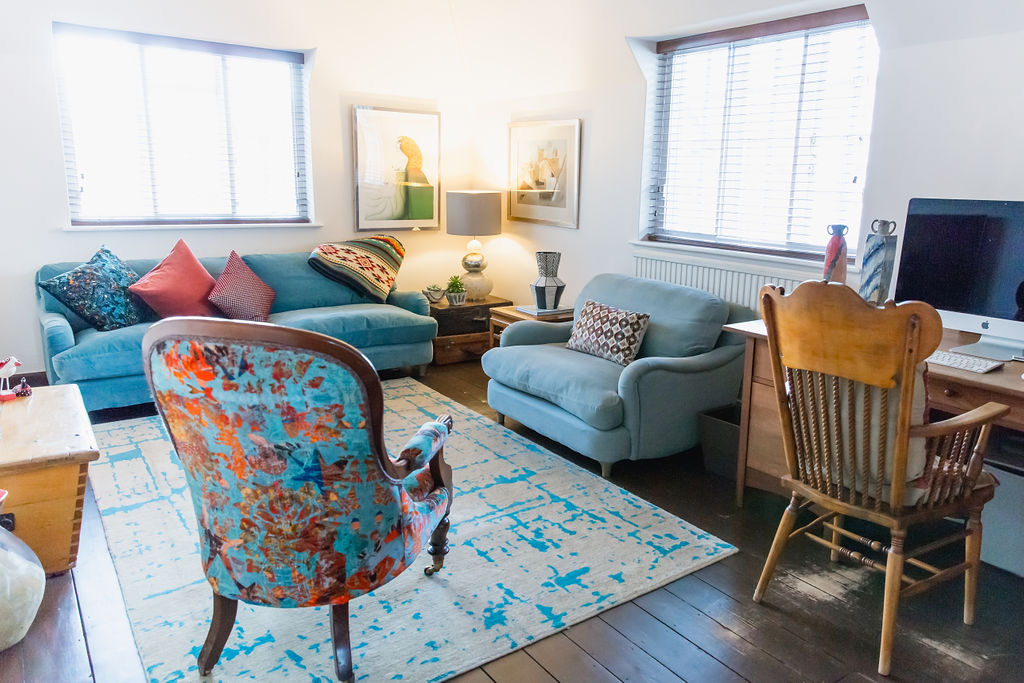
(342, 645)
(890, 606)
(501, 419)
(438, 546)
(972, 555)
(606, 469)
(224, 610)
(781, 536)
(837, 537)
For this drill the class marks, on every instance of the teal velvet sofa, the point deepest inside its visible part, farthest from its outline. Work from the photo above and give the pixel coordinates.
(607, 412)
(107, 366)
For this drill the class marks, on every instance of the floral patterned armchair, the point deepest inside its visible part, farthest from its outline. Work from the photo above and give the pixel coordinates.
(280, 432)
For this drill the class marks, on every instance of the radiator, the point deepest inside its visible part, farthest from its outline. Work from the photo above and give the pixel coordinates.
(736, 285)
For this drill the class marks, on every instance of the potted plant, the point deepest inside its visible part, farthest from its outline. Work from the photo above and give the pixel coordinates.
(434, 293)
(456, 292)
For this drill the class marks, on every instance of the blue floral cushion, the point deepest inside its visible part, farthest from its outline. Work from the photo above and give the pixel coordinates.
(98, 292)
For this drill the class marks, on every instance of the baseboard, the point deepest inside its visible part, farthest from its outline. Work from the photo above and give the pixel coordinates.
(35, 379)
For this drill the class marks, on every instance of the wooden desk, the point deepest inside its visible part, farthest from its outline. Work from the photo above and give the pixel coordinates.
(761, 460)
(46, 444)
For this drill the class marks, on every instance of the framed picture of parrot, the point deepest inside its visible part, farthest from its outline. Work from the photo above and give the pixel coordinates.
(397, 158)
(544, 172)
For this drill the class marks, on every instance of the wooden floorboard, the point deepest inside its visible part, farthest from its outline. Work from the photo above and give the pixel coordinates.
(818, 622)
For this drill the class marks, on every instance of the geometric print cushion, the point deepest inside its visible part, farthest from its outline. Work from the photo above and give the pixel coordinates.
(240, 293)
(98, 292)
(369, 265)
(608, 332)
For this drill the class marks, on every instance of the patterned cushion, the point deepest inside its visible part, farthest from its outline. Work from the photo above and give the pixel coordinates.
(98, 292)
(608, 332)
(240, 293)
(178, 285)
(368, 265)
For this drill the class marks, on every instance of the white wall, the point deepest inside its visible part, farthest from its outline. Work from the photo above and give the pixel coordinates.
(946, 122)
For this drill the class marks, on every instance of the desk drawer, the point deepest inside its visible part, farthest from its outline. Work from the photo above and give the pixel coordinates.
(954, 397)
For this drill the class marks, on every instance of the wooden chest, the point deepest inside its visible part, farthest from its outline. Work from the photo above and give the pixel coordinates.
(463, 332)
(46, 444)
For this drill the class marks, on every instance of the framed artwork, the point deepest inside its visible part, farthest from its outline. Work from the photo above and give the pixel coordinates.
(397, 157)
(544, 172)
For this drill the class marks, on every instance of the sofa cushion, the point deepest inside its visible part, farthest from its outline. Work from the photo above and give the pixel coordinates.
(297, 285)
(99, 292)
(607, 332)
(684, 321)
(581, 384)
(362, 325)
(240, 293)
(369, 264)
(97, 355)
(178, 285)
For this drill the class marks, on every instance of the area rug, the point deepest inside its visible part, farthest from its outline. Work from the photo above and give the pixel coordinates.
(538, 544)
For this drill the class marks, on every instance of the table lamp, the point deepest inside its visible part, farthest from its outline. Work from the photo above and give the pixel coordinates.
(474, 213)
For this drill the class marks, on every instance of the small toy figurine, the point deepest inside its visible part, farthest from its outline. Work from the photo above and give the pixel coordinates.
(23, 389)
(7, 367)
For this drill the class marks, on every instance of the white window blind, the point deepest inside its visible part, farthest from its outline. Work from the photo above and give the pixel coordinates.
(161, 130)
(762, 142)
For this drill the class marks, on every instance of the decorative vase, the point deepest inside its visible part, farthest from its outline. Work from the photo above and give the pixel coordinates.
(455, 298)
(835, 254)
(879, 257)
(21, 590)
(548, 288)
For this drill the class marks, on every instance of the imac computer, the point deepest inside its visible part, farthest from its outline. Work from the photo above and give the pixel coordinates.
(965, 257)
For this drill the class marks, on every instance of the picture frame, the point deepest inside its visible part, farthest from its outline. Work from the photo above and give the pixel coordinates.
(544, 172)
(397, 155)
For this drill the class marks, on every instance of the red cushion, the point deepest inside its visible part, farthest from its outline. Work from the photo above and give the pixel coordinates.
(240, 293)
(178, 285)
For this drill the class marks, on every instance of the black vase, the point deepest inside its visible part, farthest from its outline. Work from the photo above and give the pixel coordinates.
(548, 288)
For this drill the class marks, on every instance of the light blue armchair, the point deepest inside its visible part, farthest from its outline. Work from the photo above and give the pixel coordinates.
(608, 412)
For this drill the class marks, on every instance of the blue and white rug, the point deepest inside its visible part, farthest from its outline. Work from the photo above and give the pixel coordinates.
(538, 544)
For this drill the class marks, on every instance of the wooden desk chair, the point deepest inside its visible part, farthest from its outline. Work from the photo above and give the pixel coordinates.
(280, 432)
(850, 389)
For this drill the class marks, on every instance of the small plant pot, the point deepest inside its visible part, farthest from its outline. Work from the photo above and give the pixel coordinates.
(433, 295)
(455, 298)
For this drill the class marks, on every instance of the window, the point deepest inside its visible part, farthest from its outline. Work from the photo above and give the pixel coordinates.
(161, 130)
(760, 135)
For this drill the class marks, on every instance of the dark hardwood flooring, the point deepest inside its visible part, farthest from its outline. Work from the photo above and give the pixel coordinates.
(818, 622)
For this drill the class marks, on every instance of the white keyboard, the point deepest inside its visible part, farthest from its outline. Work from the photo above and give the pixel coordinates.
(961, 361)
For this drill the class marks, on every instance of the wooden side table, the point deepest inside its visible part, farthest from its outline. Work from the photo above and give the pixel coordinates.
(463, 332)
(46, 444)
(503, 316)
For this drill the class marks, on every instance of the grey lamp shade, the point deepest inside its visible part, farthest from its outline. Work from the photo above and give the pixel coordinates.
(473, 212)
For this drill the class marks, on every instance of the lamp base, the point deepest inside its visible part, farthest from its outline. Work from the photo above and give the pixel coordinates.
(478, 285)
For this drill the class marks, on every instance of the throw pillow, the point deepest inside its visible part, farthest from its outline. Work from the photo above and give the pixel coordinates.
(99, 292)
(368, 265)
(178, 285)
(240, 293)
(608, 332)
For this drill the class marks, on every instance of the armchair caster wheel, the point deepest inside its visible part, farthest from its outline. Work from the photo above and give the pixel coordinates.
(434, 568)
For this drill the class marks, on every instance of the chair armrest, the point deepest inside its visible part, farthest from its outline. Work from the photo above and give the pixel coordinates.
(423, 446)
(662, 397)
(410, 301)
(977, 417)
(529, 332)
(56, 332)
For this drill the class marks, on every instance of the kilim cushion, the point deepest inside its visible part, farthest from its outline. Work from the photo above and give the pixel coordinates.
(608, 332)
(240, 293)
(369, 265)
(178, 285)
(98, 292)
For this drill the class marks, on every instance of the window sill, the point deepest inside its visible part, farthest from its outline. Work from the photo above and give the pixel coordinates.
(725, 257)
(146, 227)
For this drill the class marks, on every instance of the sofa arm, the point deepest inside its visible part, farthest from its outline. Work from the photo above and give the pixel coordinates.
(528, 332)
(57, 333)
(662, 397)
(410, 301)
